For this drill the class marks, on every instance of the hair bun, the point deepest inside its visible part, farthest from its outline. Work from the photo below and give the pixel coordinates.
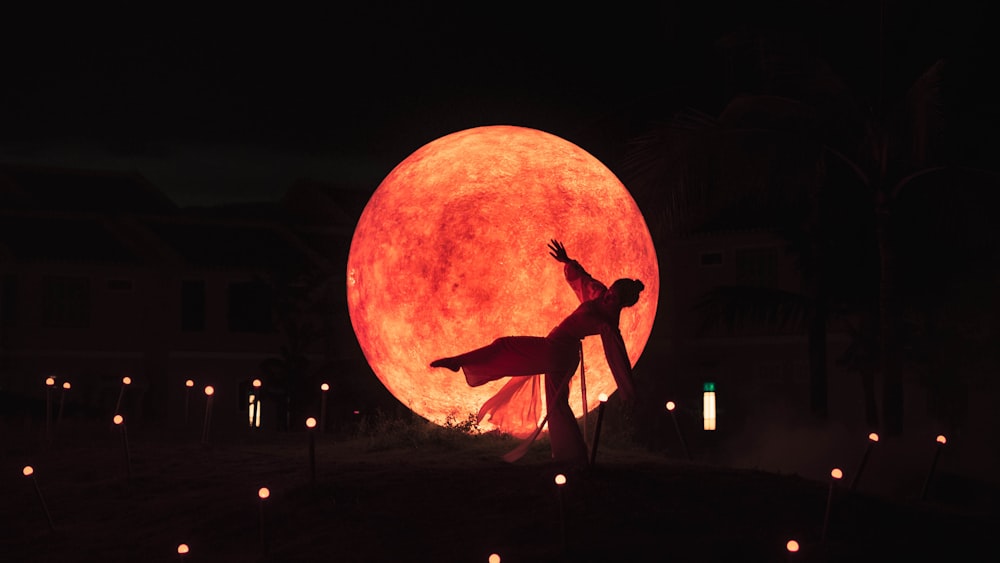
(628, 290)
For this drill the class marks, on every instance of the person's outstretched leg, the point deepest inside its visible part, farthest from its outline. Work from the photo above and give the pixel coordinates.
(504, 357)
(452, 363)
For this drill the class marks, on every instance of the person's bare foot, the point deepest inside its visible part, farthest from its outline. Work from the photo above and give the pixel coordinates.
(449, 363)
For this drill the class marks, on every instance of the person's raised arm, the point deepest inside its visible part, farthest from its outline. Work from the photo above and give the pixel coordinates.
(583, 284)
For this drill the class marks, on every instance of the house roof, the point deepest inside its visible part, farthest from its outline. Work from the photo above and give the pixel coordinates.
(227, 244)
(54, 237)
(64, 215)
(72, 190)
(324, 204)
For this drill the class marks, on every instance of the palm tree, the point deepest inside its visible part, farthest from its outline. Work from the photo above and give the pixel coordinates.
(759, 164)
(302, 311)
(799, 150)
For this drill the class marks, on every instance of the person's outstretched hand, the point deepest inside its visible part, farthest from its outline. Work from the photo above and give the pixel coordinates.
(558, 251)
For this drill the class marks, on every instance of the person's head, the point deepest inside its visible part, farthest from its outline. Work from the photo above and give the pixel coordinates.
(627, 290)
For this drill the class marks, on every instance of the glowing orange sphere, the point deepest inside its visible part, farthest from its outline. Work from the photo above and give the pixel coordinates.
(118, 419)
(28, 471)
(310, 422)
(183, 549)
(792, 546)
(126, 380)
(189, 383)
(837, 473)
(263, 492)
(451, 253)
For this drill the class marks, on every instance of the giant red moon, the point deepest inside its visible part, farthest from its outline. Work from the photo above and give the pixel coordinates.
(451, 252)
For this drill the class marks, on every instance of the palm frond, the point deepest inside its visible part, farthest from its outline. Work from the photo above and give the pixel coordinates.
(770, 114)
(924, 113)
(735, 307)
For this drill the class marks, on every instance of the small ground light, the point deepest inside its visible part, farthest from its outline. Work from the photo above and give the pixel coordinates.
(119, 420)
(603, 399)
(322, 408)
(671, 406)
(560, 481)
(836, 474)
(494, 558)
(62, 401)
(311, 425)
(188, 385)
(262, 493)
(209, 392)
(792, 547)
(29, 472)
(941, 441)
(50, 383)
(872, 440)
(126, 381)
(183, 549)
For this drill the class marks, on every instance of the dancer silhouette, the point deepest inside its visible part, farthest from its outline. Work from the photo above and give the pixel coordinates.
(556, 357)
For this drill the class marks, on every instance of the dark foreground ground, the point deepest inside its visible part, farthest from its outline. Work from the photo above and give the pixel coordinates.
(439, 497)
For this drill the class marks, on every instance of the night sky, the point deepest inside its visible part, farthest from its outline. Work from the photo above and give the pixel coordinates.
(221, 105)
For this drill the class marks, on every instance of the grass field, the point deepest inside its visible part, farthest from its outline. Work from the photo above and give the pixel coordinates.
(416, 492)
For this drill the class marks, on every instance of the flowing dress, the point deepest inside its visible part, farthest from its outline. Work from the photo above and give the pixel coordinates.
(555, 357)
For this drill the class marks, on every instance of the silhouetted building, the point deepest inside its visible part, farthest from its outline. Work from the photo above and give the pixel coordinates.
(104, 277)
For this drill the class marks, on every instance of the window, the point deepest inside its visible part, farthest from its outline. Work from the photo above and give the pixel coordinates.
(8, 300)
(120, 285)
(250, 307)
(757, 266)
(711, 258)
(192, 305)
(65, 302)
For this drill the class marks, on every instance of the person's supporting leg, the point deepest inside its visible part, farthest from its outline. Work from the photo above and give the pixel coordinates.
(565, 438)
